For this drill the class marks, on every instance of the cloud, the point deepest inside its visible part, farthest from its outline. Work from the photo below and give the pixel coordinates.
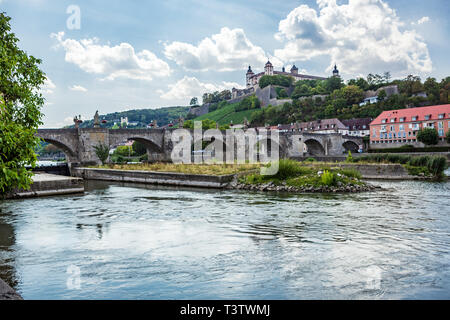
(189, 87)
(48, 86)
(113, 62)
(423, 20)
(362, 36)
(228, 50)
(78, 88)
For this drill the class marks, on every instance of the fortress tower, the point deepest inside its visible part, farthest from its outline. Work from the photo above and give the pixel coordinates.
(335, 71)
(249, 75)
(268, 69)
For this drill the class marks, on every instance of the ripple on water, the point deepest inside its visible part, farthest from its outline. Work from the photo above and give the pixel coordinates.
(147, 242)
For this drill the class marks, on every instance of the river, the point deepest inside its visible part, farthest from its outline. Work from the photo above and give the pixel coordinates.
(126, 241)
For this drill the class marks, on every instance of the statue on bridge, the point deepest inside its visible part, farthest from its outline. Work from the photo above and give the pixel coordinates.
(96, 120)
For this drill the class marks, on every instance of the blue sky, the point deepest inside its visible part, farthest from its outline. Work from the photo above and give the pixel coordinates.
(149, 54)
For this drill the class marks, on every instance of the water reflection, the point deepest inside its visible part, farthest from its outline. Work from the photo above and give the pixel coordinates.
(146, 242)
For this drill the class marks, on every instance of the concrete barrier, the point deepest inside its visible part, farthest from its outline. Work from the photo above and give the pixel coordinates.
(49, 185)
(150, 177)
(8, 293)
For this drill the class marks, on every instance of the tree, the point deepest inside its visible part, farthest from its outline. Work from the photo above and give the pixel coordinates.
(102, 152)
(447, 136)
(194, 101)
(139, 148)
(428, 136)
(20, 110)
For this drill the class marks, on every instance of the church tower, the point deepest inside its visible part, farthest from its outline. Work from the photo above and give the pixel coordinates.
(268, 69)
(249, 75)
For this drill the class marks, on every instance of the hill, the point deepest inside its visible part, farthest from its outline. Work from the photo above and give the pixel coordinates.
(141, 118)
(226, 115)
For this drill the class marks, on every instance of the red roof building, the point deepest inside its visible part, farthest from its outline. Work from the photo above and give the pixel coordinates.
(401, 126)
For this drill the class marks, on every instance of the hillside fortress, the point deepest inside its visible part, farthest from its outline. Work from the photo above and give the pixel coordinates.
(252, 79)
(268, 95)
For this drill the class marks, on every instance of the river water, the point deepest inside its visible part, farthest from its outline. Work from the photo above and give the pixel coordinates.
(126, 241)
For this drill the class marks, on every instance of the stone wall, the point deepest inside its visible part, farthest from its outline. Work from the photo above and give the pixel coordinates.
(161, 178)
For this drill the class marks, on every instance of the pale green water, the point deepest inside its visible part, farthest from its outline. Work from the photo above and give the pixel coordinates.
(137, 242)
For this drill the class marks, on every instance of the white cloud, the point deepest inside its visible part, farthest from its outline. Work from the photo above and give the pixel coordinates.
(113, 62)
(189, 87)
(78, 88)
(228, 50)
(361, 36)
(48, 86)
(423, 20)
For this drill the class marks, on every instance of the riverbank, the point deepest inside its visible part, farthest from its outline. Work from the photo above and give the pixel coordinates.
(8, 293)
(45, 184)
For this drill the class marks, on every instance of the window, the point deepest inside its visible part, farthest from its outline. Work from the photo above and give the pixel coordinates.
(383, 121)
(440, 125)
(402, 127)
(415, 118)
(441, 116)
(402, 119)
(428, 117)
(441, 132)
(393, 120)
(392, 128)
(364, 126)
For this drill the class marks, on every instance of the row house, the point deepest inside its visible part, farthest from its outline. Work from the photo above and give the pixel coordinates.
(401, 126)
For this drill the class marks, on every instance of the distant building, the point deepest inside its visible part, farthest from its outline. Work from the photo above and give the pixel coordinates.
(372, 96)
(401, 126)
(358, 127)
(319, 126)
(252, 79)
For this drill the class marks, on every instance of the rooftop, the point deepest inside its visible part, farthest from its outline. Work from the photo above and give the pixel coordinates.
(407, 115)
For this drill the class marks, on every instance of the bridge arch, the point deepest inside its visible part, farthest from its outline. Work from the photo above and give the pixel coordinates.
(68, 151)
(350, 146)
(315, 148)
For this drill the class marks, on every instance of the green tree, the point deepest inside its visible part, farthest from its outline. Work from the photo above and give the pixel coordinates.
(139, 148)
(428, 136)
(102, 152)
(194, 101)
(447, 136)
(20, 110)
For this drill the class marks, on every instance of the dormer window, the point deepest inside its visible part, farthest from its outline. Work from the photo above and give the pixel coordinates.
(384, 121)
(441, 116)
(428, 117)
(402, 119)
(393, 120)
(415, 118)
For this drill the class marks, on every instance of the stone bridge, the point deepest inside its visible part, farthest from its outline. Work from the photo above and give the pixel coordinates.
(78, 144)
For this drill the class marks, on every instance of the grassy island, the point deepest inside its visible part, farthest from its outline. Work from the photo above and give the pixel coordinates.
(292, 176)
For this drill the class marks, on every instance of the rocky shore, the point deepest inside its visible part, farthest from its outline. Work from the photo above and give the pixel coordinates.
(7, 293)
(354, 188)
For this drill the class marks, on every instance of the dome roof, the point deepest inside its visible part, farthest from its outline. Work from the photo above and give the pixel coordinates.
(268, 64)
(294, 67)
(249, 69)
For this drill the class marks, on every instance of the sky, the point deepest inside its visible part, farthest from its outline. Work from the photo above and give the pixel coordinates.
(120, 55)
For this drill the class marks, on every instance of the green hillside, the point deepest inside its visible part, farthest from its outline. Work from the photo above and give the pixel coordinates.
(142, 117)
(227, 114)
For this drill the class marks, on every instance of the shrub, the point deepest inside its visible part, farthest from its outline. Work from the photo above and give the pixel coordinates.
(351, 173)
(310, 160)
(349, 157)
(428, 136)
(447, 136)
(437, 165)
(328, 178)
(288, 169)
(102, 152)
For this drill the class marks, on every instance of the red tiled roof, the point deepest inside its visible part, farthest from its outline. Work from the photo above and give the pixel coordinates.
(421, 112)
